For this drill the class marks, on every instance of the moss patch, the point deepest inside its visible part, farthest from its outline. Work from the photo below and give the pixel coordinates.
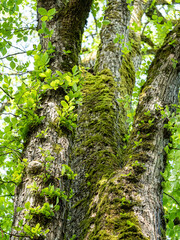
(112, 216)
(57, 148)
(109, 202)
(99, 125)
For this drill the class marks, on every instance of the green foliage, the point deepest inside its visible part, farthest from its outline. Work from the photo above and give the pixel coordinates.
(73, 237)
(47, 16)
(70, 83)
(42, 134)
(171, 176)
(32, 232)
(67, 171)
(126, 47)
(46, 210)
(51, 192)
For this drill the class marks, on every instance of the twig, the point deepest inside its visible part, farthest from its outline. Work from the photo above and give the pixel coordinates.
(7, 195)
(6, 93)
(172, 198)
(12, 55)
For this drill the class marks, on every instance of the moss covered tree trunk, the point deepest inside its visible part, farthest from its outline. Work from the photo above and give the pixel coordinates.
(117, 192)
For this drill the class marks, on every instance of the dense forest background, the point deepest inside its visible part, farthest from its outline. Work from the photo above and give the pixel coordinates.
(54, 82)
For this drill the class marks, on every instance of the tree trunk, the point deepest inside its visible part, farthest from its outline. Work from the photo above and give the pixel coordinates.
(117, 192)
(46, 155)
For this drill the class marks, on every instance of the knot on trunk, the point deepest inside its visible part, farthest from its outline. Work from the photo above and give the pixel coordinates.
(34, 167)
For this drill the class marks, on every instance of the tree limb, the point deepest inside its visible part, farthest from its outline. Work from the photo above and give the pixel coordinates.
(147, 40)
(150, 52)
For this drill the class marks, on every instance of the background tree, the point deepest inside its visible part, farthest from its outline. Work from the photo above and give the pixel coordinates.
(85, 164)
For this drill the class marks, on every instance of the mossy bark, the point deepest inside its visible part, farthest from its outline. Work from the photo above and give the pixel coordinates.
(110, 53)
(111, 202)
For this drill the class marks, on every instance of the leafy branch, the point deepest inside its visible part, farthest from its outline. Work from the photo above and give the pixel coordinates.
(172, 198)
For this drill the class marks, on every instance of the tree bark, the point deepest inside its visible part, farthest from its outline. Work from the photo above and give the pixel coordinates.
(68, 25)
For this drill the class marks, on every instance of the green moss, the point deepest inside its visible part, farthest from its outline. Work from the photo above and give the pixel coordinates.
(55, 125)
(57, 148)
(110, 213)
(127, 76)
(135, 41)
(99, 122)
(81, 202)
(115, 217)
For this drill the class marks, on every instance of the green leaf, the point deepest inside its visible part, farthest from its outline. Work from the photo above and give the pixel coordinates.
(106, 22)
(3, 51)
(18, 209)
(42, 11)
(75, 87)
(116, 40)
(44, 18)
(45, 87)
(7, 119)
(51, 12)
(40, 31)
(67, 98)
(27, 205)
(12, 65)
(25, 38)
(75, 69)
(17, 228)
(43, 75)
(64, 104)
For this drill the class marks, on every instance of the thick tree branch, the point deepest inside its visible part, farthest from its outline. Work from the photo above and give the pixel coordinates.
(148, 135)
(68, 25)
(147, 40)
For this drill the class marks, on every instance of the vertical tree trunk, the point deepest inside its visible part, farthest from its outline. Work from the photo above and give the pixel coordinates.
(99, 139)
(54, 148)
